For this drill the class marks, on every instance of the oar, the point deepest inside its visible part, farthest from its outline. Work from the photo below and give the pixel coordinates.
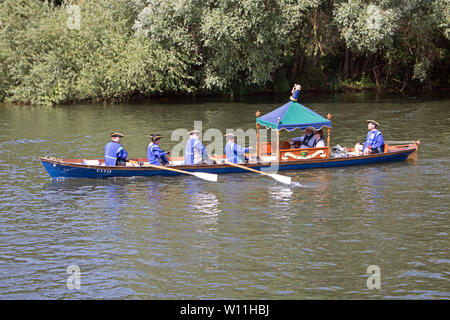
(278, 177)
(201, 175)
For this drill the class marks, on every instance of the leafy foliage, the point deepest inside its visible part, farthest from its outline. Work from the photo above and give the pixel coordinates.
(46, 62)
(366, 27)
(123, 48)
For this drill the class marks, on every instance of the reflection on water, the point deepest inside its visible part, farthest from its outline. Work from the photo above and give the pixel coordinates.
(281, 194)
(206, 207)
(371, 193)
(206, 203)
(244, 237)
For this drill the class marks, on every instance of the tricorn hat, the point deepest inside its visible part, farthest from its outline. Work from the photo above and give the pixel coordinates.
(193, 132)
(155, 137)
(374, 122)
(117, 134)
(229, 135)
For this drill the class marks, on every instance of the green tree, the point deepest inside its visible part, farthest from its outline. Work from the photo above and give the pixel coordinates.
(47, 62)
(226, 42)
(124, 48)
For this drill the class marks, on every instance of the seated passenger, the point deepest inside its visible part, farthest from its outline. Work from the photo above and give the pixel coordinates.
(155, 155)
(306, 141)
(295, 92)
(374, 142)
(234, 152)
(115, 154)
(318, 139)
(195, 152)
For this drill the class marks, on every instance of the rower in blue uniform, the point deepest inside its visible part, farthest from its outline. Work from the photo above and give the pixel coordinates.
(155, 155)
(195, 152)
(295, 92)
(305, 141)
(115, 154)
(374, 142)
(234, 152)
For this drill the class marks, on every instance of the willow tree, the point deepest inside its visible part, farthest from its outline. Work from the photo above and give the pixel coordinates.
(47, 60)
(124, 48)
(228, 43)
(404, 38)
(421, 48)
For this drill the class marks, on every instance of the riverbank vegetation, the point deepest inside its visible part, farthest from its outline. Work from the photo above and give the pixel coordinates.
(52, 52)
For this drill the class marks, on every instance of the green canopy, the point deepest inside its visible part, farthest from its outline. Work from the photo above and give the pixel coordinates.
(291, 116)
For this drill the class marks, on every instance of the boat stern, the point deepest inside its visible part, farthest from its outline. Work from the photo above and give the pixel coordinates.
(413, 155)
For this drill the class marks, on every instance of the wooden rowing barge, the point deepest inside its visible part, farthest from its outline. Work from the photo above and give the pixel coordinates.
(73, 168)
(279, 156)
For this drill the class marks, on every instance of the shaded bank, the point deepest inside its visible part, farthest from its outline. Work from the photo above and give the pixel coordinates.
(70, 51)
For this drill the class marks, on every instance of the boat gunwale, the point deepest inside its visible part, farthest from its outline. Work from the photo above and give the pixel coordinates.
(59, 161)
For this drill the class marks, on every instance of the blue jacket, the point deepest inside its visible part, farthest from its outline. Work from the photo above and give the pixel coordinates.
(375, 140)
(154, 154)
(235, 153)
(194, 152)
(295, 96)
(114, 152)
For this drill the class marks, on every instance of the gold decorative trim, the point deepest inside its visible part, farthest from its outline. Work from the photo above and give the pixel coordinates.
(289, 154)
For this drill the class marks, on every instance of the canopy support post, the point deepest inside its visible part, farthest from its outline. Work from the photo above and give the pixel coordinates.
(329, 136)
(257, 141)
(278, 141)
(258, 144)
(278, 146)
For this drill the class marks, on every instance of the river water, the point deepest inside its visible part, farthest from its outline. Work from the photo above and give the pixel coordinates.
(244, 237)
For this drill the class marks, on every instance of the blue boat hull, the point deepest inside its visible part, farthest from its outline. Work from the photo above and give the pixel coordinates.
(57, 168)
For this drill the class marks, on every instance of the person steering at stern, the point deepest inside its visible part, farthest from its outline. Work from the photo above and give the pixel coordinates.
(374, 142)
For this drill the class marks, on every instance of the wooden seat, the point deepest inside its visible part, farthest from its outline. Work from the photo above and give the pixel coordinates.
(284, 145)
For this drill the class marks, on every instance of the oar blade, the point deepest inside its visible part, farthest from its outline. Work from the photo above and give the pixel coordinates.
(206, 176)
(282, 179)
